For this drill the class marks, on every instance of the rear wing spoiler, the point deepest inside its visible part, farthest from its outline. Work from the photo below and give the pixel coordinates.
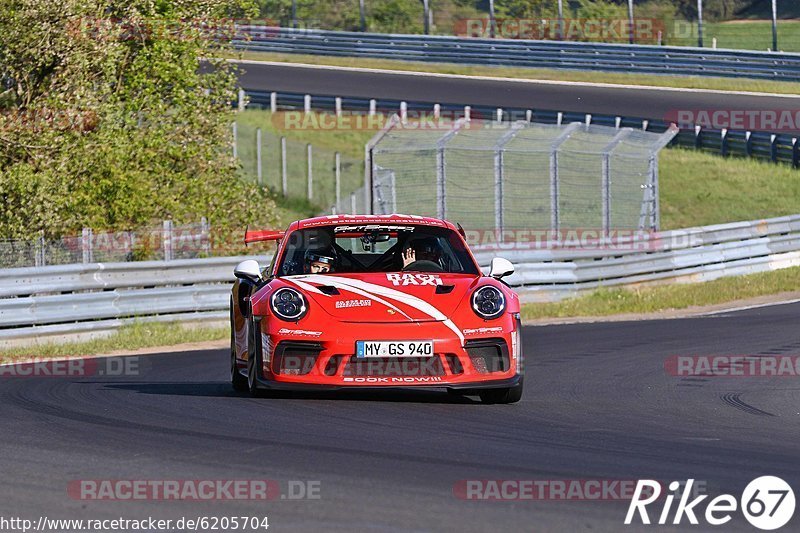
(262, 235)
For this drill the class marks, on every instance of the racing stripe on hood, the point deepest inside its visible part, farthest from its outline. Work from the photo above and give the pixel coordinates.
(311, 288)
(373, 289)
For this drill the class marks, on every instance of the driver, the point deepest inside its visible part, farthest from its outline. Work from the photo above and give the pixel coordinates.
(422, 249)
(318, 262)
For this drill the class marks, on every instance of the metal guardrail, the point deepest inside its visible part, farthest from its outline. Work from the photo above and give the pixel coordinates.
(43, 302)
(640, 59)
(54, 301)
(775, 147)
(689, 255)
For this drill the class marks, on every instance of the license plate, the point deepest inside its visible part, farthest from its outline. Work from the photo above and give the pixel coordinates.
(366, 349)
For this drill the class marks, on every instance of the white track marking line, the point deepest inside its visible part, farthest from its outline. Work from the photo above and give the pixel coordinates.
(515, 80)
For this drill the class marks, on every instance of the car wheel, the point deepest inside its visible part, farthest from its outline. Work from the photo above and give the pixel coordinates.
(238, 381)
(506, 395)
(253, 362)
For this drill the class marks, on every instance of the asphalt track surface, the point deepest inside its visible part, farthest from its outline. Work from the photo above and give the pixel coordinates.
(650, 103)
(598, 405)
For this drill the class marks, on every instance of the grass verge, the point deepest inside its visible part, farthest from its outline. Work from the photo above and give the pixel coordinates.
(130, 337)
(687, 82)
(614, 301)
(699, 188)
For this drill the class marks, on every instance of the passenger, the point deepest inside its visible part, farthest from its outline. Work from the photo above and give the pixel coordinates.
(422, 249)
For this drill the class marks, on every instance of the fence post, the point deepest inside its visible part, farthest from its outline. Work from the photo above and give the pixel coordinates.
(86, 245)
(499, 175)
(205, 241)
(310, 174)
(528, 115)
(748, 143)
(555, 215)
(403, 112)
(655, 194)
(38, 250)
(795, 153)
(606, 192)
(352, 203)
(499, 117)
(235, 140)
(242, 101)
(273, 102)
(259, 171)
(372, 106)
(307, 104)
(167, 240)
(284, 178)
(338, 106)
(338, 177)
(467, 112)
(606, 177)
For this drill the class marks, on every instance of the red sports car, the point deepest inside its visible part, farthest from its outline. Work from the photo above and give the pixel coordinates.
(353, 301)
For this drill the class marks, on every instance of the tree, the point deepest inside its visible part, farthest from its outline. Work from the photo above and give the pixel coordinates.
(109, 121)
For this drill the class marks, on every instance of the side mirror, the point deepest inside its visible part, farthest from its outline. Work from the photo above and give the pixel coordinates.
(501, 268)
(249, 270)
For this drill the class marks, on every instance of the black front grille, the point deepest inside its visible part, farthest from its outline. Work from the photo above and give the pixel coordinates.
(295, 358)
(488, 355)
(394, 366)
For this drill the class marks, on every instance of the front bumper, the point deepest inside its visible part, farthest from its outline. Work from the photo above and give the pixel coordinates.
(329, 362)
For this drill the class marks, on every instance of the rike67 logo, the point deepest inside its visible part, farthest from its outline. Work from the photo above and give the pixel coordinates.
(767, 503)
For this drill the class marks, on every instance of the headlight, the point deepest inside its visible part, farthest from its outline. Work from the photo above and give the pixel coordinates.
(488, 302)
(288, 304)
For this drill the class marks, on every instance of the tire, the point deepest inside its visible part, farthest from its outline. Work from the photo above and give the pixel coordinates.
(506, 395)
(253, 362)
(238, 381)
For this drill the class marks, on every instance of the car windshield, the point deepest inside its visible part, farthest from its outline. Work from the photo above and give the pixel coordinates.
(375, 248)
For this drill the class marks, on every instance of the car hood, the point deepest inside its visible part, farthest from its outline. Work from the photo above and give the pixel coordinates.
(386, 297)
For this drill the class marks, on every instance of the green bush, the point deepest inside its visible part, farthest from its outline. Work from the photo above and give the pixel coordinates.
(108, 122)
